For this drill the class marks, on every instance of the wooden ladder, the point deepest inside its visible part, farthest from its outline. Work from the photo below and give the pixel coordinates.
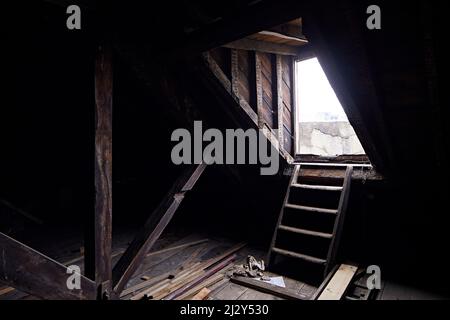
(338, 213)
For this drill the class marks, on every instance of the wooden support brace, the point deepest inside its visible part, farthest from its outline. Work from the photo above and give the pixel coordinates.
(242, 105)
(234, 72)
(259, 91)
(32, 272)
(153, 227)
(264, 46)
(279, 79)
(216, 71)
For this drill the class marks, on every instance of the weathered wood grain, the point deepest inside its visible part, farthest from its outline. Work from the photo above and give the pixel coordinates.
(32, 272)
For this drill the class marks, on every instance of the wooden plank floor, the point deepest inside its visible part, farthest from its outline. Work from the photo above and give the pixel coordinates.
(161, 263)
(213, 248)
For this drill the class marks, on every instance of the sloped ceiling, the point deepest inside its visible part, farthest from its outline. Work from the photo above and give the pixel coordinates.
(386, 79)
(389, 80)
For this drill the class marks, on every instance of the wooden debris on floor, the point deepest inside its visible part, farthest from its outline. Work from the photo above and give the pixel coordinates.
(187, 281)
(202, 294)
(148, 282)
(5, 290)
(208, 284)
(324, 283)
(200, 278)
(188, 267)
(339, 282)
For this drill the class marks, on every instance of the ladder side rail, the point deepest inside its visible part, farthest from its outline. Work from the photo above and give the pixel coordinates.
(292, 180)
(338, 224)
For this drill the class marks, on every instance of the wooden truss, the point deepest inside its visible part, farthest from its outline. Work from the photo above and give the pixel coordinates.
(32, 272)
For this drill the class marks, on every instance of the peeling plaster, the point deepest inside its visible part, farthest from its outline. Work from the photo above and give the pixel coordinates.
(329, 139)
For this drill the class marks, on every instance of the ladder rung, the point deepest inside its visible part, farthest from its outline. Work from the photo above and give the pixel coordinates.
(314, 209)
(316, 187)
(307, 232)
(299, 256)
(323, 164)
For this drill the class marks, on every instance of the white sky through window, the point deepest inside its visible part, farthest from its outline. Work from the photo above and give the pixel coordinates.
(317, 101)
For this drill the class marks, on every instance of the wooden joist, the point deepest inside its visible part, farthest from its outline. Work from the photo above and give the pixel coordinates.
(264, 46)
(338, 284)
(281, 36)
(32, 272)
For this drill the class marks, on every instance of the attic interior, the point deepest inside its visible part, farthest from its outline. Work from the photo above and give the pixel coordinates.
(87, 177)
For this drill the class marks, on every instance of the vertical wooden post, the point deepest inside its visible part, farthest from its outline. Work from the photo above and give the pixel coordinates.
(294, 111)
(259, 91)
(98, 250)
(234, 72)
(279, 79)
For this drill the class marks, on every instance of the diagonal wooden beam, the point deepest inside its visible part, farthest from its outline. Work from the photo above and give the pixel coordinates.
(153, 227)
(220, 82)
(32, 272)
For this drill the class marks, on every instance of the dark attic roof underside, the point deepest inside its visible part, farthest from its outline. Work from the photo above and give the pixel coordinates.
(387, 90)
(390, 83)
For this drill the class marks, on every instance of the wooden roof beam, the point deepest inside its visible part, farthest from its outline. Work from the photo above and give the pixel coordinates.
(264, 46)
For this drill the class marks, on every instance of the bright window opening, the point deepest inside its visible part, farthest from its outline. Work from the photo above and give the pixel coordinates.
(322, 126)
